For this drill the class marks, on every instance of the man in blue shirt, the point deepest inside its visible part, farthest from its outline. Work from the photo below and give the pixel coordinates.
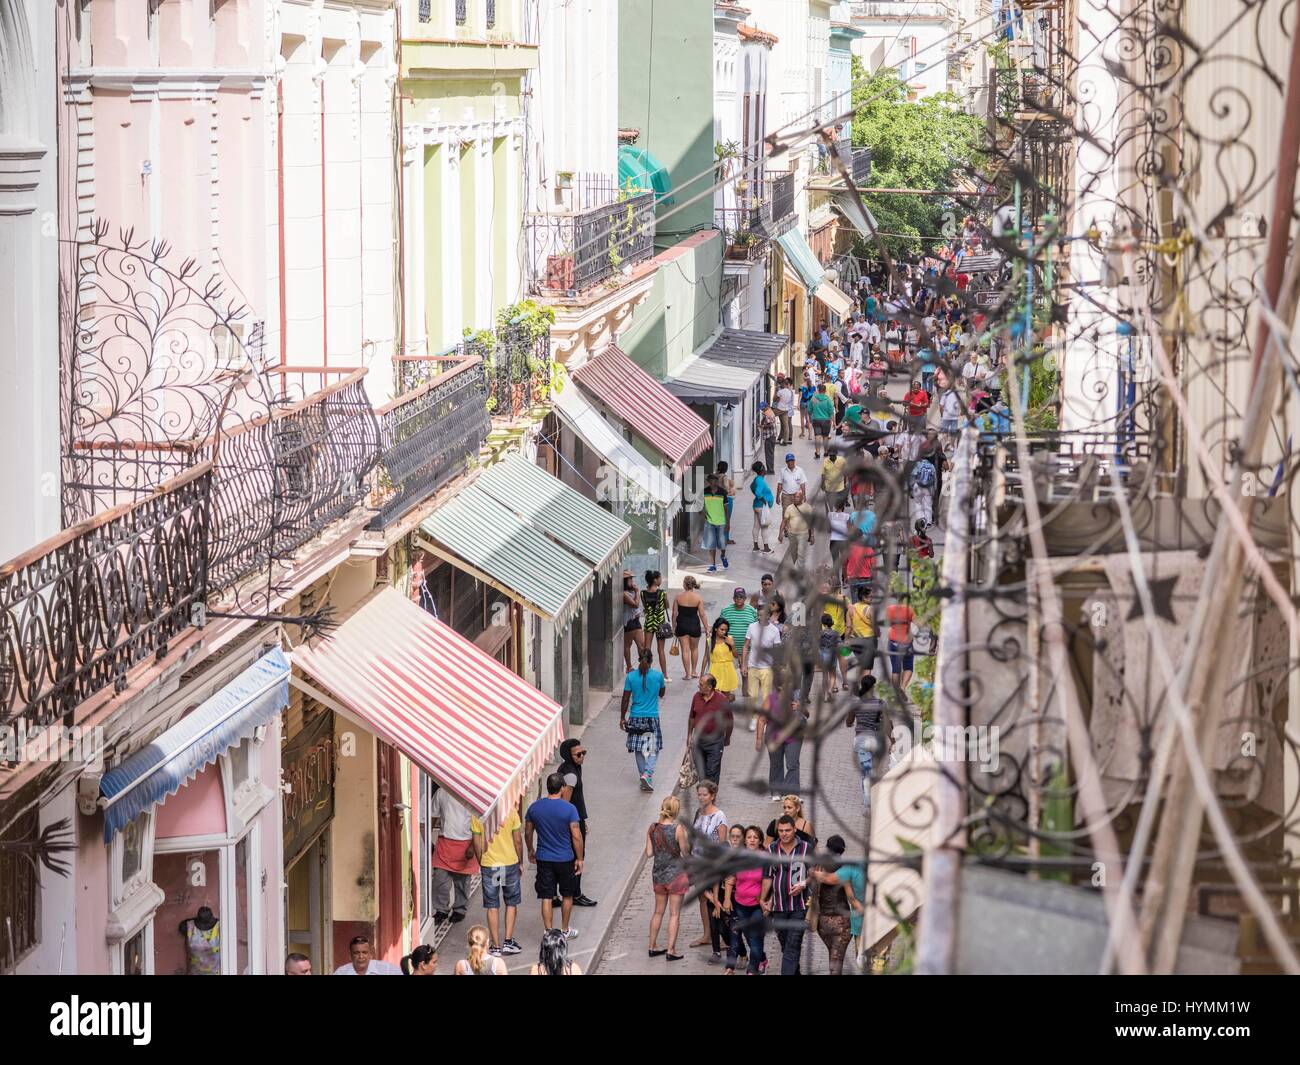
(556, 850)
(638, 716)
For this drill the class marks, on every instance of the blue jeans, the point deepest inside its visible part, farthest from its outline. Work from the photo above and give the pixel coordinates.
(862, 748)
(748, 923)
(646, 757)
(791, 940)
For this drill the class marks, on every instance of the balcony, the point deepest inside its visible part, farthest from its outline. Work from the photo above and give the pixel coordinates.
(746, 230)
(518, 373)
(861, 167)
(781, 192)
(79, 611)
(900, 9)
(429, 433)
(573, 253)
(281, 480)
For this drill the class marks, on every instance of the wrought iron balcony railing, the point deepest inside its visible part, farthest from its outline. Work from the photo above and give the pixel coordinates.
(744, 229)
(861, 165)
(518, 372)
(281, 481)
(79, 611)
(428, 435)
(575, 252)
(781, 192)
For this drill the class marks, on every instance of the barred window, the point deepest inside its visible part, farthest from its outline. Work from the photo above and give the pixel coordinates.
(20, 891)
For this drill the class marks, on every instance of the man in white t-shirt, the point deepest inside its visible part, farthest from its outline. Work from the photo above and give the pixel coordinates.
(794, 482)
(362, 964)
(873, 334)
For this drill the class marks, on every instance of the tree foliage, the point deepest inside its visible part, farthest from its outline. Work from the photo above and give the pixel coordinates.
(923, 144)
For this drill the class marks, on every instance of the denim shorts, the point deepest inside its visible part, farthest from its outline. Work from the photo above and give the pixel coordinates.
(715, 537)
(494, 879)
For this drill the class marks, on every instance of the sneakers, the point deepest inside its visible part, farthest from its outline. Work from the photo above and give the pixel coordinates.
(775, 798)
(511, 947)
(646, 783)
(496, 951)
(713, 569)
(582, 900)
(570, 933)
(440, 915)
(725, 563)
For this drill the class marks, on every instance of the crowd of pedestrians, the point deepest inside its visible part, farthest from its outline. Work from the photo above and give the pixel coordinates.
(874, 494)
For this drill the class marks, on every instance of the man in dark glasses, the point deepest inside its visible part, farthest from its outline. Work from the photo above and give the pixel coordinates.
(572, 756)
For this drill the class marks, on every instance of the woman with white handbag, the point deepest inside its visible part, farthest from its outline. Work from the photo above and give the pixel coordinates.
(764, 501)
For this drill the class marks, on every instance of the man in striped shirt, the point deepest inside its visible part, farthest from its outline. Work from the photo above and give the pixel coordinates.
(739, 616)
(785, 892)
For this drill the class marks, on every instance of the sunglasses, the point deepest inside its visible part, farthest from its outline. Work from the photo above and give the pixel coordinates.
(579, 754)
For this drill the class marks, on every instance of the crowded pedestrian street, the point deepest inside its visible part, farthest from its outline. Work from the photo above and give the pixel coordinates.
(647, 487)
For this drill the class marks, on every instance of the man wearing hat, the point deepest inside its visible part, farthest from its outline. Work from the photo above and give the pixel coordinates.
(739, 616)
(769, 429)
(794, 482)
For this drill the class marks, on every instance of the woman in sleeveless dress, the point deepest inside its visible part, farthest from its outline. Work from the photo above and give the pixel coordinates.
(722, 659)
(689, 623)
(667, 844)
(654, 601)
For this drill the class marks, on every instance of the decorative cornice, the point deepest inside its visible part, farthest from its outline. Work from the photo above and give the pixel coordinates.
(146, 83)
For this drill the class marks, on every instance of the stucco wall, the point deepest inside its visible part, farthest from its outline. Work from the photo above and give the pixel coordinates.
(665, 83)
(682, 310)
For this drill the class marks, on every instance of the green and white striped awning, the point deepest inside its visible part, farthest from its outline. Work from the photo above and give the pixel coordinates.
(530, 535)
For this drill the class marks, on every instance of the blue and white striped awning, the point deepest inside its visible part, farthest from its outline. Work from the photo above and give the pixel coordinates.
(159, 770)
(800, 255)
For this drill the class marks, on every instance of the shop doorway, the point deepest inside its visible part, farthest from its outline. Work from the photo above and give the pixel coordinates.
(305, 906)
(577, 676)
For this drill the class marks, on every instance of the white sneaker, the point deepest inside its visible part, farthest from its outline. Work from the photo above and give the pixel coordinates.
(570, 933)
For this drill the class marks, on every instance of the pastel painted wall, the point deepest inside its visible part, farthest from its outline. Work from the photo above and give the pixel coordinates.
(198, 809)
(682, 310)
(665, 84)
(462, 176)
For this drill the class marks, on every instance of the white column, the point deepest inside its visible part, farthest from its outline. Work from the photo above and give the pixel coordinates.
(513, 210)
(485, 262)
(417, 341)
(452, 262)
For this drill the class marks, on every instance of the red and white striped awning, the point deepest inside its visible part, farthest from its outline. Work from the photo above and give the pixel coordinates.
(481, 731)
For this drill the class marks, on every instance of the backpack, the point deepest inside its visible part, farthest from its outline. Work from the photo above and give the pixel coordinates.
(924, 474)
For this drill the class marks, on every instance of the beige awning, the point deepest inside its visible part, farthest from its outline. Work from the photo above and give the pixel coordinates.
(835, 298)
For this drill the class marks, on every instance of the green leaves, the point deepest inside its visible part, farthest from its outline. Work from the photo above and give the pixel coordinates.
(919, 144)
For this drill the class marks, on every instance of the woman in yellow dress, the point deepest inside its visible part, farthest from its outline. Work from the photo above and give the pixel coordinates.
(722, 658)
